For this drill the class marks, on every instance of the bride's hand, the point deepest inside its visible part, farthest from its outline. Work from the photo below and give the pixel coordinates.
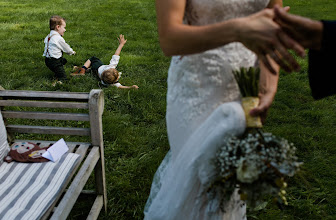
(265, 37)
(265, 101)
(267, 88)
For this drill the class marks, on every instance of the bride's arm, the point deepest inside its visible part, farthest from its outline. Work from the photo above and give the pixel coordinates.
(267, 88)
(258, 32)
(177, 38)
(272, 3)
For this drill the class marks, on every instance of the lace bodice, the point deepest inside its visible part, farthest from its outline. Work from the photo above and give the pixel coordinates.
(198, 83)
(202, 12)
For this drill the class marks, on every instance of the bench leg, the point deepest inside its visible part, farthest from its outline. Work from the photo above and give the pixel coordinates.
(100, 181)
(97, 206)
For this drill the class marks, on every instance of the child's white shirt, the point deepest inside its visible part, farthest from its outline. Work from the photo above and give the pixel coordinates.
(56, 46)
(113, 64)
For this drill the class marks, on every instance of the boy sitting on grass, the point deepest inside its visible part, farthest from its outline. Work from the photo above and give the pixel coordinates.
(106, 73)
(54, 47)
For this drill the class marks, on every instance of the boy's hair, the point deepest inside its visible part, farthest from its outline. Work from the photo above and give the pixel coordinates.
(110, 76)
(54, 21)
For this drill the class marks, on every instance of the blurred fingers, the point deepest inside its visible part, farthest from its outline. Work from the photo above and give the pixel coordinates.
(286, 60)
(265, 60)
(278, 58)
(291, 44)
(281, 14)
(262, 109)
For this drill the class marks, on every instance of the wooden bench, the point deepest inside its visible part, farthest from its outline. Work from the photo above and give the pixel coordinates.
(30, 106)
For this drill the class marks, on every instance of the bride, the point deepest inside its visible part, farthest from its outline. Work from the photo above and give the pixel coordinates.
(203, 99)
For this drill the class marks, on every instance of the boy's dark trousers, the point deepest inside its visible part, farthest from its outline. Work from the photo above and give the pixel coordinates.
(56, 65)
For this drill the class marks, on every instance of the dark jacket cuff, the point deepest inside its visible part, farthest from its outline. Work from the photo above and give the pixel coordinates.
(322, 63)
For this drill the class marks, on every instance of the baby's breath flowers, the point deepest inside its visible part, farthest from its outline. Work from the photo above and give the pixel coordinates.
(257, 164)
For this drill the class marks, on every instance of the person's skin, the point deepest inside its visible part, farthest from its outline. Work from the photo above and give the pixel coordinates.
(122, 42)
(87, 63)
(129, 87)
(306, 31)
(258, 32)
(268, 83)
(61, 28)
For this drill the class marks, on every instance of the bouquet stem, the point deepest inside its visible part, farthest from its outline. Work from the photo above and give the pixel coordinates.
(248, 104)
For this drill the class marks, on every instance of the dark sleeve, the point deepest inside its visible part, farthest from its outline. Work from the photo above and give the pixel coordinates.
(322, 64)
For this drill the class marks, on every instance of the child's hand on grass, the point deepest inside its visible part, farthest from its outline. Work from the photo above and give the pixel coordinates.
(135, 87)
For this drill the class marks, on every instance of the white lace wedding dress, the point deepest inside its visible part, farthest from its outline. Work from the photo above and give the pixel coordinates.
(203, 106)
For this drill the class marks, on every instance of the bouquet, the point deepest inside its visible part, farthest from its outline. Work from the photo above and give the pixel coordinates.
(256, 163)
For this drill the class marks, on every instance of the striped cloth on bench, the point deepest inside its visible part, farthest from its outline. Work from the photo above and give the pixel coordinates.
(28, 189)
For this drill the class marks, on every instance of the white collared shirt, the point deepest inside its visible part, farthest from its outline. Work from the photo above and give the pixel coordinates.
(113, 64)
(56, 46)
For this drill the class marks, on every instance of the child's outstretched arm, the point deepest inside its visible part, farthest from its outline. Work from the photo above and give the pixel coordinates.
(128, 87)
(122, 42)
(65, 47)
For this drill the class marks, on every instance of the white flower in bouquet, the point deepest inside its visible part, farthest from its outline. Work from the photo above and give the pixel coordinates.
(257, 163)
(247, 172)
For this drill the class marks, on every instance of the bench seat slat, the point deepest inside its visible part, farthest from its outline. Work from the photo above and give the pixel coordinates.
(46, 115)
(43, 104)
(97, 206)
(69, 199)
(48, 130)
(44, 95)
(81, 151)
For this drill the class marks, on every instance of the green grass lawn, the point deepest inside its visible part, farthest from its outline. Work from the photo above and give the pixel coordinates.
(134, 121)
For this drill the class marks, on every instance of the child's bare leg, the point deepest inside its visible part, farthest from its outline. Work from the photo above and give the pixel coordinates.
(87, 63)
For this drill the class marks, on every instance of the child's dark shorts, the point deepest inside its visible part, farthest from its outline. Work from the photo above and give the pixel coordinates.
(95, 63)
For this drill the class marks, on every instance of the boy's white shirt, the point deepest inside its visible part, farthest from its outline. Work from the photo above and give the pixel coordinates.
(113, 64)
(57, 45)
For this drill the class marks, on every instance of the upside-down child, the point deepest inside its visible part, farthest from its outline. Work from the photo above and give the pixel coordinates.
(106, 73)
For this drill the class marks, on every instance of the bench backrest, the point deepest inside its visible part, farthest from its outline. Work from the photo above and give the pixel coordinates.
(93, 102)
